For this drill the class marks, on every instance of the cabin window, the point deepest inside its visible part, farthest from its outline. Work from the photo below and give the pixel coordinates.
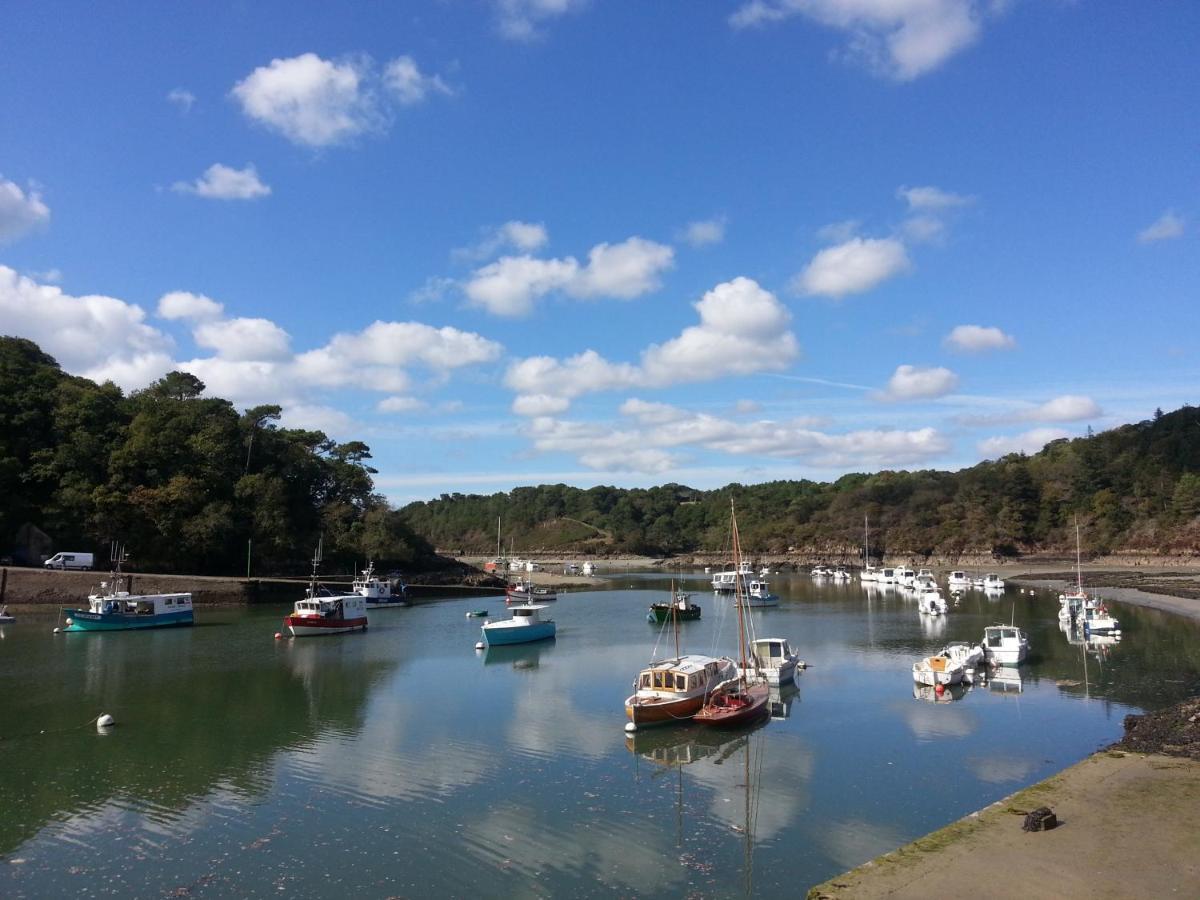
(680, 682)
(776, 651)
(521, 613)
(994, 640)
(170, 602)
(645, 679)
(658, 680)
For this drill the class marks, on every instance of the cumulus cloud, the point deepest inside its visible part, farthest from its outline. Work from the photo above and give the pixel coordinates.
(400, 404)
(1027, 442)
(244, 339)
(743, 329)
(1067, 408)
(315, 417)
(220, 182)
(661, 434)
(185, 305)
(185, 100)
(539, 405)
(523, 20)
(919, 383)
(900, 39)
(319, 102)
(1167, 226)
(93, 335)
(510, 285)
(525, 237)
(705, 232)
(20, 211)
(978, 339)
(852, 267)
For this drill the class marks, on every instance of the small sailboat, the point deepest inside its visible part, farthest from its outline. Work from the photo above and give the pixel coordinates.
(320, 613)
(869, 572)
(5, 617)
(744, 699)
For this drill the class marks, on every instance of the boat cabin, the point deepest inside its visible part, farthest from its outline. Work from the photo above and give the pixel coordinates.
(677, 676)
(123, 603)
(770, 653)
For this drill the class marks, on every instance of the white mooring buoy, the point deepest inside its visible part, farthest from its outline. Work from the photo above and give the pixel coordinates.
(480, 645)
(70, 621)
(57, 630)
(631, 727)
(105, 721)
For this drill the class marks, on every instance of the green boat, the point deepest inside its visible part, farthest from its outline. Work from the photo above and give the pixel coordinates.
(682, 608)
(477, 613)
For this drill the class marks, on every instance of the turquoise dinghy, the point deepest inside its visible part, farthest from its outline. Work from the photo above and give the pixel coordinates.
(525, 625)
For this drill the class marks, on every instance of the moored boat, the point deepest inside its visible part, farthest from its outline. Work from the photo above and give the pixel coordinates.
(323, 613)
(525, 625)
(758, 594)
(6, 618)
(376, 591)
(680, 606)
(937, 669)
(931, 602)
(774, 660)
(526, 592)
(1005, 645)
(114, 608)
(958, 580)
(673, 690)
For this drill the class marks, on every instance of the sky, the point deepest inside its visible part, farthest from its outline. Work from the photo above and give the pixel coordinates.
(518, 242)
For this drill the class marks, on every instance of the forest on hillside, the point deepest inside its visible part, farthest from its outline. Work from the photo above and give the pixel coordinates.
(187, 483)
(1135, 488)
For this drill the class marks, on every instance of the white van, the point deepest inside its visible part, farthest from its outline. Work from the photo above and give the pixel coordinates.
(69, 561)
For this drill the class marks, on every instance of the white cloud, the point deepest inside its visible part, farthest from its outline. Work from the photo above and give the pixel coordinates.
(400, 404)
(244, 339)
(521, 20)
(978, 339)
(20, 212)
(662, 430)
(315, 417)
(534, 405)
(901, 39)
(403, 78)
(919, 383)
(1167, 226)
(625, 270)
(705, 232)
(220, 182)
(92, 335)
(184, 305)
(743, 329)
(839, 232)
(852, 267)
(1067, 408)
(510, 285)
(931, 198)
(1028, 442)
(524, 237)
(185, 100)
(318, 102)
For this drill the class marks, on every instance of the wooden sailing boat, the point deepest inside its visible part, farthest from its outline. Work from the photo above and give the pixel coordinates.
(743, 699)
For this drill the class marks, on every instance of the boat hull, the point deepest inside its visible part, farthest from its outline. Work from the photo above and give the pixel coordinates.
(661, 612)
(731, 709)
(666, 712)
(312, 626)
(525, 597)
(83, 620)
(524, 634)
(390, 603)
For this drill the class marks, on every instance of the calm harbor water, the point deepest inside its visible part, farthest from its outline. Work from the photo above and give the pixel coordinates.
(403, 762)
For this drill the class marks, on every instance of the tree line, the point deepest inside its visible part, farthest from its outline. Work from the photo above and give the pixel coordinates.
(187, 483)
(1135, 488)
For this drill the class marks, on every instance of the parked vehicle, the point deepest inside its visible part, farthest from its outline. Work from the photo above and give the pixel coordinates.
(72, 560)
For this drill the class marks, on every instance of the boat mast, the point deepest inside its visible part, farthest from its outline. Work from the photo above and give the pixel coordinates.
(316, 561)
(497, 537)
(866, 542)
(739, 600)
(675, 617)
(1078, 558)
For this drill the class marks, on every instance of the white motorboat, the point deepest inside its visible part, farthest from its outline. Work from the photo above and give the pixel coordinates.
(993, 582)
(887, 575)
(937, 669)
(925, 573)
(970, 656)
(905, 576)
(840, 574)
(1005, 645)
(931, 602)
(1094, 618)
(758, 594)
(958, 580)
(773, 659)
(725, 581)
(820, 572)
(924, 582)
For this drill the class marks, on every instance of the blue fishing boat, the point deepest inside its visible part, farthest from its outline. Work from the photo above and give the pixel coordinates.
(525, 625)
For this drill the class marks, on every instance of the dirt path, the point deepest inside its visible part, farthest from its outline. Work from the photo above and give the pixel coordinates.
(1129, 827)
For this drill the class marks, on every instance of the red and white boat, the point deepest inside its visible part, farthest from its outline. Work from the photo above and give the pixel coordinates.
(324, 613)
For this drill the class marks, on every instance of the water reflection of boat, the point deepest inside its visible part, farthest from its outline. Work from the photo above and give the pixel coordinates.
(1005, 680)
(687, 744)
(781, 698)
(930, 693)
(519, 656)
(933, 626)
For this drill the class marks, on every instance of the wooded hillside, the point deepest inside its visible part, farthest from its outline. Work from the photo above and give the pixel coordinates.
(1134, 488)
(184, 481)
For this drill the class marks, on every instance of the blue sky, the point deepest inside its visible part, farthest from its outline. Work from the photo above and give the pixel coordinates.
(529, 241)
